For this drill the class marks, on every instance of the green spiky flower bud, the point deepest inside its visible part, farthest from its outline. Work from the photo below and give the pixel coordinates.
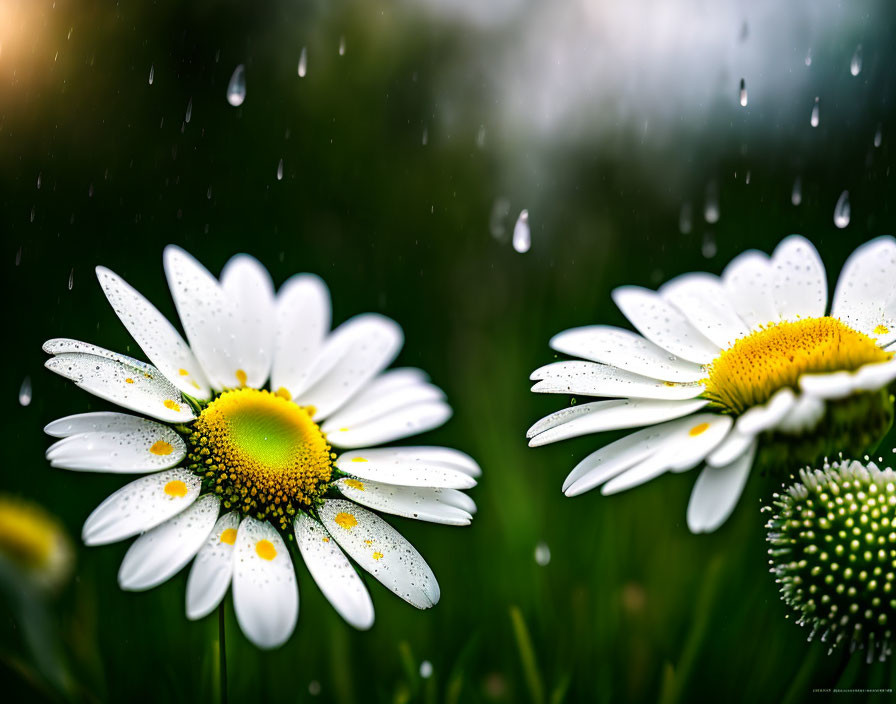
(833, 552)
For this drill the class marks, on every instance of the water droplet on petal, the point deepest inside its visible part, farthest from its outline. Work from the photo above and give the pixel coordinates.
(796, 195)
(71, 279)
(342, 45)
(25, 392)
(855, 64)
(426, 669)
(280, 170)
(685, 218)
(841, 210)
(236, 89)
(152, 73)
(522, 237)
(711, 203)
(303, 62)
(189, 111)
(813, 118)
(743, 93)
(542, 554)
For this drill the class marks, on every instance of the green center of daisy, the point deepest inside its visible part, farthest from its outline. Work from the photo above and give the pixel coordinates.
(261, 453)
(755, 367)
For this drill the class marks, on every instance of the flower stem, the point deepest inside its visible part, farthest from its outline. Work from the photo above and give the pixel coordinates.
(222, 654)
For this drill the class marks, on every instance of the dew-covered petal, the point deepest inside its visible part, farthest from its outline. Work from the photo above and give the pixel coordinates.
(761, 418)
(141, 505)
(118, 443)
(162, 552)
(405, 467)
(382, 551)
(661, 323)
(864, 297)
(248, 285)
(371, 404)
(626, 350)
(213, 568)
(704, 302)
(599, 416)
(748, 281)
(125, 381)
(355, 353)
(592, 379)
(157, 337)
(799, 286)
(265, 593)
(717, 491)
(420, 503)
(411, 455)
(400, 423)
(303, 321)
(333, 573)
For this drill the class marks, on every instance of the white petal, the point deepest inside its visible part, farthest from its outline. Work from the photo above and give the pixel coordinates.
(213, 567)
(333, 573)
(355, 353)
(800, 286)
(456, 498)
(265, 593)
(625, 350)
(404, 467)
(162, 552)
(760, 418)
(420, 503)
(402, 423)
(705, 304)
(303, 321)
(120, 443)
(716, 492)
(373, 403)
(410, 455)
(591, 379)
(828, 386)
(382, 551)
(804, 416)
(157, 337)
(122, 380)
(732, 447)
(748, 281)
(864, 298)
(661, 323)
(141, 505)
(248, 284)
(599, 416)
(872, 377)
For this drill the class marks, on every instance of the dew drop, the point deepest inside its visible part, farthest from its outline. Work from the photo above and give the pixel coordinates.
(342, 45)
(743, 93)
(685, 218)
(855, 64)
(522, 237)
(878, 135)
(71, 279)
(426, 669)
(841, 210)
(152, 73)
(280, 170)
(236, 89)
(711, 203)
(542, 554)
(189, 113)
(303, 63)
(796, 194)
(25, 392)
(813, 118)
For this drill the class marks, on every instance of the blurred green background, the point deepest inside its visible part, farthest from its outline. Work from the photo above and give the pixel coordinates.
(406, 160)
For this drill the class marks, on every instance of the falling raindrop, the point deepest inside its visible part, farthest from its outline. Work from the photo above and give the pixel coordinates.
(189, 111)
(796, 195)
(90, 191)
(425, 139)
(314, 688)
(236, 89)
(500, 211)
(152, 73)
(38, 179)
(813, 118)
(743, 93)
(208, 193)
(342, 45)
(32, 213)
(542, 554)
(685, 218)
(480, 137)
(426, 669)
(747, 178)
(878, 135)
(809, 57)
(280, 170)
(71, 279)
(303, 62)
(841, 210)
(19, 255)
(711, 203)
(709, 246)
(25, 392)
(855, 64)
(522, 237)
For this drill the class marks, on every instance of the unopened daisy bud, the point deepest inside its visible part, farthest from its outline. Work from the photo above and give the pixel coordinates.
(34, 543)
(833, 552)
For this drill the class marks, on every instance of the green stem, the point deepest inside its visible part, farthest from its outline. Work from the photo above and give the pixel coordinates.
(222, 654)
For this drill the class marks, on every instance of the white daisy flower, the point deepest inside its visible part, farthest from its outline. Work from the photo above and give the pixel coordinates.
(726, 365)
(233, 470)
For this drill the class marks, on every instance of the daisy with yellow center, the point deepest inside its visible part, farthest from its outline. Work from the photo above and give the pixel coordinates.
(728, 366)
(239, 476)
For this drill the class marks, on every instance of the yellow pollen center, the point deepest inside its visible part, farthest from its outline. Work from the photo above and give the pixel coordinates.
(755, 367)
(265, 550)
(172, 405)
(241, 376)
(228, 536)
(176, 488)
(355, 484)
(161, 448)
(345, 520)
(377, 556)
(263, 454)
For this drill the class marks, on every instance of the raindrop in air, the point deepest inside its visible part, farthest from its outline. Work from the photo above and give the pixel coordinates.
(480, 137)
(841, 210)
(685, 218)
(189, 111)
(303, 62)
(500, 211)
(426, 669)
(796, 195)
(855, 65)
(280, 170)
(25, 392)
(314, 688)
(709, 246)
(152, 73)
(522, 237)
(809, 57)
(38, 180)
(236, 89)
(747, 178)
(425, 139)
(711, 203)
(878, 136)
(71, 279)
(342, 45)
(813, 118)
(542, 554)
(209, 193)
(743, 93)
